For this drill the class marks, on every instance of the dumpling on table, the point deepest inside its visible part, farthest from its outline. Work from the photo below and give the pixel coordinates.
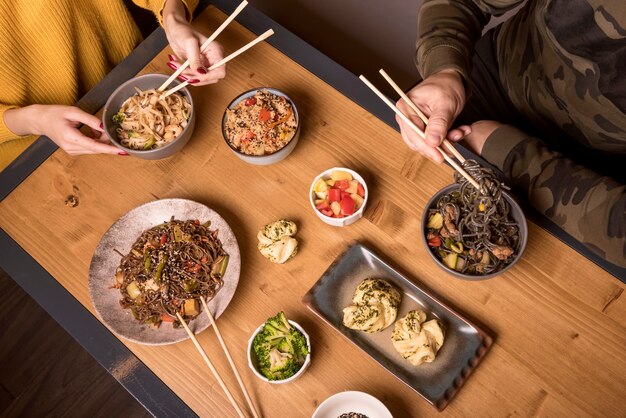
(276, 241)
(374, 306)
(416, 340)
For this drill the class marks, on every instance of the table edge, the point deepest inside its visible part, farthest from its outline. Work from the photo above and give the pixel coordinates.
(104, 346)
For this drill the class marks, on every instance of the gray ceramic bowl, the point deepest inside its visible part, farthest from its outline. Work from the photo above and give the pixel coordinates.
(126, 90)
(266, 159)
(516, 213)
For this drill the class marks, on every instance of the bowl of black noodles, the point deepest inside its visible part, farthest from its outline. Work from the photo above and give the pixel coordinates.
(474, 234)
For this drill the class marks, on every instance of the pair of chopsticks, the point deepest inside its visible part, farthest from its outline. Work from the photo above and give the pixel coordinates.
(447, 144)
(205, 45)
(212, 368)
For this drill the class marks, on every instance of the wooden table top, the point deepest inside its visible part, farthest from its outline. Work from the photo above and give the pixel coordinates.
(557, 318)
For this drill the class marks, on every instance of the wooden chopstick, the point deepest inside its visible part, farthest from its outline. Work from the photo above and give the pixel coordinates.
(224, 60)
(206, 43)
(208, 362)
(446, 157)
(447, 144)
(230, 359)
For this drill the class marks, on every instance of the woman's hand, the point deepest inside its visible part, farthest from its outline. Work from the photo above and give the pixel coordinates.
(186, 43)
(61, 125)
(441, 98)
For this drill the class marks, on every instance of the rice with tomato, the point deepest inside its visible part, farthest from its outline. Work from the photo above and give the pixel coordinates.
(261, 124)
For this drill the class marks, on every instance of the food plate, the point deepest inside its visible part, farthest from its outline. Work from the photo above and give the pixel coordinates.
(352, 401)
(464, 347)
(121, 236)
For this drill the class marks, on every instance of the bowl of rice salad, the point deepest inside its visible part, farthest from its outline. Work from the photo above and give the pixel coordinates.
(261, 126)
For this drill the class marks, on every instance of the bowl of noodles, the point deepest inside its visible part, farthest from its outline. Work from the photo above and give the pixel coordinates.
(474, 234)
(144, 123)
(261, 126)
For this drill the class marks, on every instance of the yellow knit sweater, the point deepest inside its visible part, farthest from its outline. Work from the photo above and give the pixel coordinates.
(54, 51)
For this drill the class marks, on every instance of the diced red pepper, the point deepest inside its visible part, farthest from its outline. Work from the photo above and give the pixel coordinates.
(323, 205)
(435, 241)
(193, 267)
(163, 239)
(348, 206)
(250, 101)
(334, 195)
(196, 222)
(327, 212)
(360, 190)
(342, 184)
(166, 318)
(264, 114)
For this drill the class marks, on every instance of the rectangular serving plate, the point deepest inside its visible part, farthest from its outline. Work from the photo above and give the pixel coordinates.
(464, 346)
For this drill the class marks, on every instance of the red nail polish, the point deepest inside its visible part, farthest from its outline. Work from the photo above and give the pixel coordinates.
(172, 66)
(193, 81)
(182, 77)
(101, 125)
(202, 70)
(122, 153)
(171, 57)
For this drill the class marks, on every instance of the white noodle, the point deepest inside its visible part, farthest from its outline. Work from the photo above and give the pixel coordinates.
(151, 121)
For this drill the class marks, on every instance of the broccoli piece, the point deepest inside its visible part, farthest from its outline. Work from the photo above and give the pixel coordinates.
(280, 348)
(279, 322)
(118, 117)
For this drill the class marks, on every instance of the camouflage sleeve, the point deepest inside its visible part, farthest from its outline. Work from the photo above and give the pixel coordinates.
(448, 29)
(589, 207)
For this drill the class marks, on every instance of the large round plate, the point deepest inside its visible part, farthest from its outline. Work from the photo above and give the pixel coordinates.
(121, 237)
(352, 401)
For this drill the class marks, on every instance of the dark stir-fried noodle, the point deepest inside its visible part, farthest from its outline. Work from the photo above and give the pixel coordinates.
(167, 270)
(472, 231)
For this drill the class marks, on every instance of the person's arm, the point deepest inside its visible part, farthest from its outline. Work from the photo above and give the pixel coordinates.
(588, 206)
(60, 124)
(447, 31)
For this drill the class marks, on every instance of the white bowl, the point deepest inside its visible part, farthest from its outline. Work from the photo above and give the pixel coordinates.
(252, 360)
(266, 159)
(352, 401)
(348, 220)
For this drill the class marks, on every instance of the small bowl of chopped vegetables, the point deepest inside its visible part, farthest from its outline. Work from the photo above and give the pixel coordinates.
(474, 236)
(338, 196)
(261, 126)
(279, 350)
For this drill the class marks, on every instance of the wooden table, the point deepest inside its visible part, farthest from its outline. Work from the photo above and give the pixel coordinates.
(558, 318)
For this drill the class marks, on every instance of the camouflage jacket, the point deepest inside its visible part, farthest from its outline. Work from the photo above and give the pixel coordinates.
(562, 64)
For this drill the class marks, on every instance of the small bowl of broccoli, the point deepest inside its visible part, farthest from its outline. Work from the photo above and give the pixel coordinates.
(279, 351)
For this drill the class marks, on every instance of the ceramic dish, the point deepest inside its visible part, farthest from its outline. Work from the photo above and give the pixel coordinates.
(464, 347)
(120, 237)
(252, 359)
(347, 220)
(352, 401)
(516, 213)
(266, 159)
(126, 90)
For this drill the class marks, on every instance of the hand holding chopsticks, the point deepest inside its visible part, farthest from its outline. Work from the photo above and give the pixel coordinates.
(447, 144)
(205, 45)
(224, 60)
(414, 127)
